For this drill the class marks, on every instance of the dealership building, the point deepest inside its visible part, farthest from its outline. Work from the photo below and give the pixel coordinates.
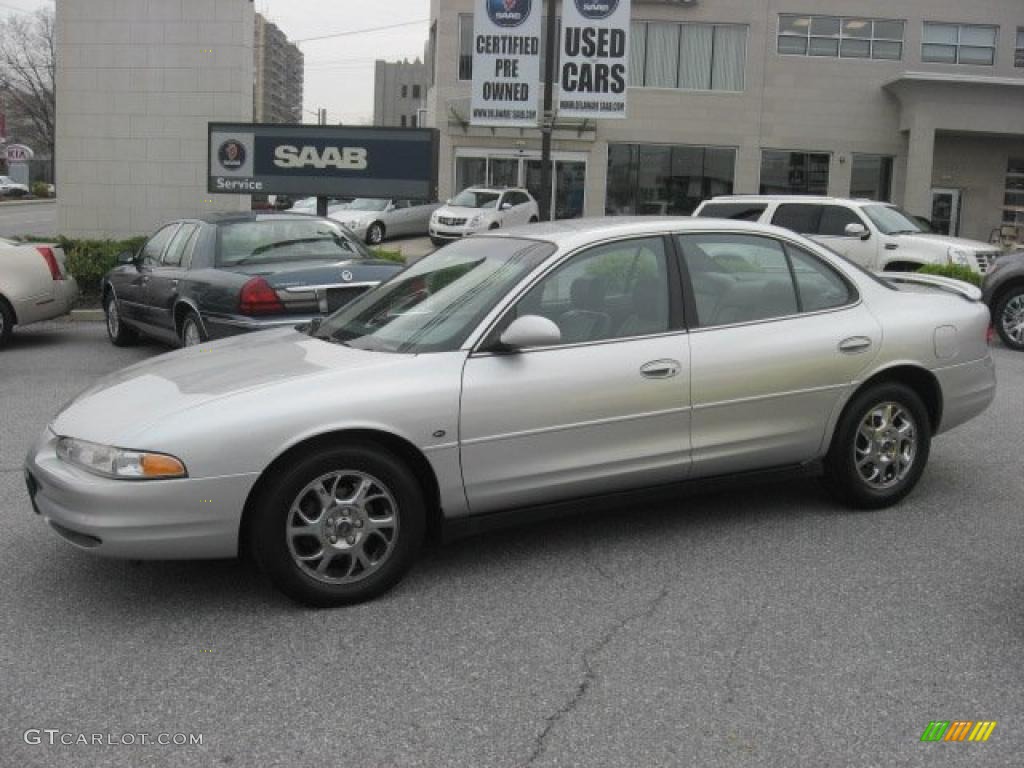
(919, 102)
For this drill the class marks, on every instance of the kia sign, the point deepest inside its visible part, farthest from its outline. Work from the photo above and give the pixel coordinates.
(595, 58)
(19, 153)
(320, 160)
(506, 62)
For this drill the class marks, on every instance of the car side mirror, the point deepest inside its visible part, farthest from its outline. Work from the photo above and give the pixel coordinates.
(857, 230)
(530, 331)
(126, 257)
(507, 206)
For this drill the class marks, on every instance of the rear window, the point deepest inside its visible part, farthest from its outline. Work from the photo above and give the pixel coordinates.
(286, 239)
(734, 211)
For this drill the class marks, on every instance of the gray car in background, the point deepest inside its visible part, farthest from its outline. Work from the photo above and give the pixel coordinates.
(374, 219)
(507, 372)
(1003, 291)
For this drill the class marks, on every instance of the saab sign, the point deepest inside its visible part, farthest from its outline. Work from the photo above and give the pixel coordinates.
(337, 161)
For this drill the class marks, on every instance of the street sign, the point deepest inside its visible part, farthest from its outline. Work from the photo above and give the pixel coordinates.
(595, 58)
(246, 158)
(506, 62)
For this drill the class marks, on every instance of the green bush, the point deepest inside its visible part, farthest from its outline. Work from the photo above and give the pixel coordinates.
(381, 253)
(40, 189)
(89, 260)
(955, 271)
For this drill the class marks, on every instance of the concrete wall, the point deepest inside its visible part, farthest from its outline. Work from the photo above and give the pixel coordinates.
(137, 83)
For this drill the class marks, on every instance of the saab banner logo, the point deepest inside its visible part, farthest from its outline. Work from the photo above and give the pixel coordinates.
(509, 13)
(596, 9)
(958, 730)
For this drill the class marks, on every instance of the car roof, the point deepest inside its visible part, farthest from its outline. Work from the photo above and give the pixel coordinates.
(237, 217)
(792, 199)
(571, 233)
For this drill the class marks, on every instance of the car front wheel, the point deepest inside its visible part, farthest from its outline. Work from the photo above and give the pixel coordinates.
(880, 447)
(1009, 318)
(6, 322)
(119, 334)
(375, 233)
(191, 331)
(340, 526)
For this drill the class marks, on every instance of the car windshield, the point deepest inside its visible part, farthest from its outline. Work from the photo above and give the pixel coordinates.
(368, 204)
(284, 239)
(890, 220)
(435, 304)
(474, 198)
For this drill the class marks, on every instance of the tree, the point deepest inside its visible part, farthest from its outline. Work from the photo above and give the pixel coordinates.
(27, 75)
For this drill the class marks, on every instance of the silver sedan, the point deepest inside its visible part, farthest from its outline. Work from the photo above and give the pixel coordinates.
(508, 372)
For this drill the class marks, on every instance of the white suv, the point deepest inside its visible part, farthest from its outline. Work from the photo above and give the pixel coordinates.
(480, 208)
(877, 236)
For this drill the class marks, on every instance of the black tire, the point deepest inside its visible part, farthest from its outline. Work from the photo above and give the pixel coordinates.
(119, 334)
(495, 225)
(375, 233)
(1015, 295)
(842, 476)
(188, 322)
(534, 219)
(6, 322)
(271, 547)
(438, 241)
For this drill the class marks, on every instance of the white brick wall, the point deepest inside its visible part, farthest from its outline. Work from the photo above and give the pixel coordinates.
(137, 83)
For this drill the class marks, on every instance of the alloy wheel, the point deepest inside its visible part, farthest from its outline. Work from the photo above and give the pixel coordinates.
(885, 446)
(1012, 319)
(190, 333)
(113, 320)
(342, 527)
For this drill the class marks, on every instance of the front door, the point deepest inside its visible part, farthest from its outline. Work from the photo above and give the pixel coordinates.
(946, 211)
(606, 409)
(131, 290)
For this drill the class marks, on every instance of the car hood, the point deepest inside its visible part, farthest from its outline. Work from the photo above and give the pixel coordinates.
(120, 408)
(359, 218)
(949, 242)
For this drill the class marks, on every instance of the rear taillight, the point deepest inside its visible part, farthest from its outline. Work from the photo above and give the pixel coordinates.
(51, 261)
(258, 298)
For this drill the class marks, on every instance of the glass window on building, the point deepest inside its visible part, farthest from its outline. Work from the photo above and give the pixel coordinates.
(405, 91)
(465, 46)
(843, 37)
(1018, 56)
(699, 57)
(959, 44)
(1013, 206)
(794, 173)
(470, 172)
(653, 179)
(872, 177)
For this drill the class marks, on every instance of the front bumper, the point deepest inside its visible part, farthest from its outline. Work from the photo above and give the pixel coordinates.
(967, 390)
(444, 232)
(186, 519)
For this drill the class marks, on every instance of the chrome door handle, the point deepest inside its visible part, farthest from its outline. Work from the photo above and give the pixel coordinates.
(660, 369)
(855, 344)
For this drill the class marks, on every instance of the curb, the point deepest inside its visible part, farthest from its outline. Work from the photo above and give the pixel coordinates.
(17, 203)
(87, 316)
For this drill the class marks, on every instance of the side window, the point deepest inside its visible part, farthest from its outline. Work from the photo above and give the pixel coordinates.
(154, 248)
(820, 286)
(612, 291)
(738, 278)
(801, 218)
(834, 219)
(401, 205)
(174, 252)
(734, 211)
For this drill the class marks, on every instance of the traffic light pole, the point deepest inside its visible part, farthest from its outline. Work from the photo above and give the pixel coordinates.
(548, 118)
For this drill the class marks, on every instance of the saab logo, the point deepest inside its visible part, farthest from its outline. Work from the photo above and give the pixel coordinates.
(231, 154)
(596, 9)
(342, 158)
(509, 13)
(958, 730)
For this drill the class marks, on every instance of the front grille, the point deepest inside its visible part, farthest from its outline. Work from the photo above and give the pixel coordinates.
(448, 221)
(339, 297)
(985, 260)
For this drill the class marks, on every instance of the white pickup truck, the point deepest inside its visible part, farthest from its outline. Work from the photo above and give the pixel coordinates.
(34, 285)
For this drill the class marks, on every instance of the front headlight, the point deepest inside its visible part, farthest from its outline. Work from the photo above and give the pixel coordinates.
(117, 462)
(958, 256)
(476, 220)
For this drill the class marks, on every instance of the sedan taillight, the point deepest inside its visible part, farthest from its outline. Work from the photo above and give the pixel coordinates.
(51, 261)
(258, 298)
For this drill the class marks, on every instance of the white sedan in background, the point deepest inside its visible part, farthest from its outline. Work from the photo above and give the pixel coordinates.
(11, 188)
(34, 285)
(479, 209)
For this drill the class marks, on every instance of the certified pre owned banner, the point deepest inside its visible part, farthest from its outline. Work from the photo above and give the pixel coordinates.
(595, 58)
(506, 62)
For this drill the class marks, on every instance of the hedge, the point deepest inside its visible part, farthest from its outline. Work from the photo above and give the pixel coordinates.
(955, 271)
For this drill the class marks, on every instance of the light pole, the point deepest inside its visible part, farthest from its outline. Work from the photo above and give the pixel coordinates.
(547, 124)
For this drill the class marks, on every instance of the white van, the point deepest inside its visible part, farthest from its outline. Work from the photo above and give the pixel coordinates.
(877, 236)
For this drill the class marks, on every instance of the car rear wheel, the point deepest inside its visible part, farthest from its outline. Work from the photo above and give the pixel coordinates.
(341, 526)
(880, 447)
(191, 334)
(6, 322)
(1009, 318)
(120, 335)
(534, 219)
(375, 233)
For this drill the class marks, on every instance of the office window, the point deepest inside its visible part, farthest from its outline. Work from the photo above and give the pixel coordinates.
(959, 44)
(405, 91)
(843, 37)
(1018, 56)
(465, 46)
(412, 121)
(1013, 203)
(403, 122)
(415, 91)
(794, 173)
(703, 57)
(432, 52)
(654, 179)
(872, 177)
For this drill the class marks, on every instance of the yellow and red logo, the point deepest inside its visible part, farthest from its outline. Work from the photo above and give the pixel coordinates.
(958, 730)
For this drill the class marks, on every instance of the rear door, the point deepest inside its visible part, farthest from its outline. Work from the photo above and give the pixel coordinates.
(165, 278)
(831, 231)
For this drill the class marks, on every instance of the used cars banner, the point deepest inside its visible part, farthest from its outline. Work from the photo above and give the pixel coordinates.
(506, 62)
(595, 58)
(271, 159)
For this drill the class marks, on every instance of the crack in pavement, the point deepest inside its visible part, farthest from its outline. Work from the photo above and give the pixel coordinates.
(589, 673)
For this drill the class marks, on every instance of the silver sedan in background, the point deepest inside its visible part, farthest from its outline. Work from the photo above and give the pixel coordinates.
(374, 219)
(506, 372)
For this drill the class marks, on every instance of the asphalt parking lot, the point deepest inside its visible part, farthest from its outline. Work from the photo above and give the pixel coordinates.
(758, 626)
